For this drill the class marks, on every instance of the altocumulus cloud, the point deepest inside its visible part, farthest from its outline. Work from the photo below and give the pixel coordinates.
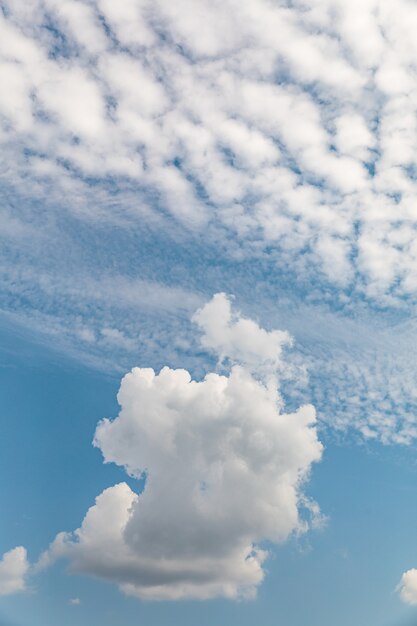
(288, 125)
(224, 468)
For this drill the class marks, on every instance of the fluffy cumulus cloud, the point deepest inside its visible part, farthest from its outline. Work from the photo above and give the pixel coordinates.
(291, 126)
(224, 469)
(241, 340)
(407, 587)
(14, 568)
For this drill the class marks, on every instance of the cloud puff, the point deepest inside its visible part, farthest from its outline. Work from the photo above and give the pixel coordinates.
(224, 470)
(14, 567)
(241, 340)
(407, 587)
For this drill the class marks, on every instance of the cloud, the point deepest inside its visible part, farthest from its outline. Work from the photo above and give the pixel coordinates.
(303, 142)
(241, 340)
(407, 587)
(128, 313)
(293, 154)
(75, 601)
(14, 567)
(224, 471)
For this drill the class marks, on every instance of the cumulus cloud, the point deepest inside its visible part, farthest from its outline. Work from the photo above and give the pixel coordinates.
(224, 470)
(407, 587)
(14, 567)
(231, 336)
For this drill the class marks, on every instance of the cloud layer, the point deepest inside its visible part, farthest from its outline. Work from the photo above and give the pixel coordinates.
(224, 469)
(203, 115)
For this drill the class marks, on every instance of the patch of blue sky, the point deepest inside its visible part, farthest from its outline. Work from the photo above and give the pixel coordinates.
(59, 46)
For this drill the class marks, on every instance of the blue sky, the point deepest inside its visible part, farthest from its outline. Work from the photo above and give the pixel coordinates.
(207, 316)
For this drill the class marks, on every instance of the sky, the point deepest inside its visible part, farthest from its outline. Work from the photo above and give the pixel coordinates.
(208, 387)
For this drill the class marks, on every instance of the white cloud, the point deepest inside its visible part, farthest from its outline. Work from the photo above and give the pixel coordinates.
(14, 567)
(192, 103)
(224, 468)
(241, 340)
(353, 137)
(75, 99)
(79, 21)
(128, 22)
(407, 587)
